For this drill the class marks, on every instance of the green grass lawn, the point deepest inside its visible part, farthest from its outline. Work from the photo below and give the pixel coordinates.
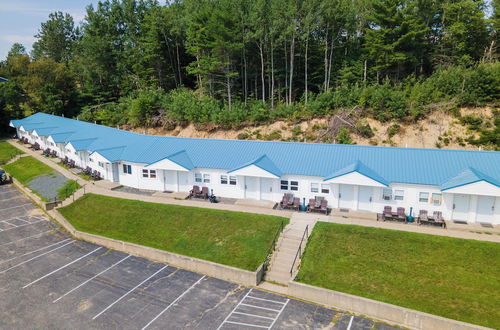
(232, 238)
(68, 189)
(7, 152)
(27, 168)
(450, 277)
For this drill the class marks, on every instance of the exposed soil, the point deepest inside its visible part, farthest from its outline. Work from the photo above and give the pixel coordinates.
(439, 129)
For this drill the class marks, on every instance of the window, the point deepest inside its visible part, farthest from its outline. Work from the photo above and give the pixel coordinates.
(76, 153)
(325, 188)
(284, 184)
(294, 185)
(223, 179)
(314, 187)
(387, 194)
(232, 180)
(127, 169)
(436, 199)
(91, 160)
(206, 178)
(423, 197)
(101, 164)
(149, 174)
(399, 195)
(197, 177)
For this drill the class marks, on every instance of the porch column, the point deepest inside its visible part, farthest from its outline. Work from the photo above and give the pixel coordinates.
(355, 195)
(473, 208)
(177, 181)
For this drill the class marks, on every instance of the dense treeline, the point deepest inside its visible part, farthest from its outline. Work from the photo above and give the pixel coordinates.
(233, 61)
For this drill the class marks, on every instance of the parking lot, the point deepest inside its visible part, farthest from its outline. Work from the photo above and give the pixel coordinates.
(48, 280)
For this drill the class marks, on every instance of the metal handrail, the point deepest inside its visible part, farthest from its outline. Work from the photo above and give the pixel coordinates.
(299, 250)
(272, 247)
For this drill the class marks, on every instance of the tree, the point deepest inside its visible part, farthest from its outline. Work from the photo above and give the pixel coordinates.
(395, 38)
(56, 38)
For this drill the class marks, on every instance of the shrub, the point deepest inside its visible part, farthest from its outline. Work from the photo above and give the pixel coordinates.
(343, 136)
(393, 130)
(365, 131)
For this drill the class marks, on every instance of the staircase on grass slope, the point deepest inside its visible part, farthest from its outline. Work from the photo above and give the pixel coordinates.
(288, 244)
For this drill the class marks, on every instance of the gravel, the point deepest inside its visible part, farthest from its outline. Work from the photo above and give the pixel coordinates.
(46, 185)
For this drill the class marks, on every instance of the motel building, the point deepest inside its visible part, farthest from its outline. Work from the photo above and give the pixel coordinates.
(463, 185)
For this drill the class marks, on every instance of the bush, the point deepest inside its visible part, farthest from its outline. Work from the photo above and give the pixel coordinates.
(393, 130)
(365, 131)
(68, 189)
(343, 136)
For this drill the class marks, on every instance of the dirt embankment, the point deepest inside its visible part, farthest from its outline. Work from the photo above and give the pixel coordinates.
(439, 129)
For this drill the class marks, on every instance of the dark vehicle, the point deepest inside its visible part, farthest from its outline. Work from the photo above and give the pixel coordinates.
(3, 177)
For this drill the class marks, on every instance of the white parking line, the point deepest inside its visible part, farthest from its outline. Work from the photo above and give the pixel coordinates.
(350, 323)
(273, 301)
(173, 303)
(32, 223)
(277, 316)
(126, 294)
(13, 207)
(90, 279)
(38, 256)
(265, 308)
(19, 219)
(238, 305)
(267, 318)
(248, 324)
(40, 249)
(62, 267)
(22, 239)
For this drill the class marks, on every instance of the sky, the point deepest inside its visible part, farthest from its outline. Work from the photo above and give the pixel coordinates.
(21, 19)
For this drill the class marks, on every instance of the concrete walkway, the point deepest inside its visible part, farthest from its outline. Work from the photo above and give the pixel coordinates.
(103, 187)
(282, 267)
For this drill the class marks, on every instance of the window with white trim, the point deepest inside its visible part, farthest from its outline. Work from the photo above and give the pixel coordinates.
(223, 179)
(206, 178)
(387, 194)
(127, 169)
(314, 187)
(284, 184)
(197, 177)
(232, 180)
(294, 185)
(399, 195)
(101, 164)
(91, 160)
(436, 199)
(423, 197)
(149, 174)
(325, 188)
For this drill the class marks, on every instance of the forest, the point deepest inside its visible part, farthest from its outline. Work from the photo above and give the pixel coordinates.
(228, 63)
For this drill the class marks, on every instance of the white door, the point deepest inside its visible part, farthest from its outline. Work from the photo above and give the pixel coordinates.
(252, 187)
(183, 178)
(169, 180)
(346, 195)
(116, 173)
(461, 207)
(266, 189)
(485, 209)
(365, 198)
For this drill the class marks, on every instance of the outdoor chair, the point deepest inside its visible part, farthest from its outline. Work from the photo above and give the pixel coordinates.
(194, 192)
(401, 215)
(387, 215)
(311, 205)
(438, 218)
(296, 204)
(204, 192)
(324, 206)
(422, 216)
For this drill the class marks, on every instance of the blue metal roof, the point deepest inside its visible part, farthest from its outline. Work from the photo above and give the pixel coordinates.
(468, 176)
(360, 168)
(181, 158)
(264, 163)
(404, 165)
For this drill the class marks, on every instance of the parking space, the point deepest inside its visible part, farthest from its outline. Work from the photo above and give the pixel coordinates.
(49, 280)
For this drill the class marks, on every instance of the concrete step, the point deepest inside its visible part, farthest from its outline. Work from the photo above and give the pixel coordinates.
(280, 268)
(280, 278)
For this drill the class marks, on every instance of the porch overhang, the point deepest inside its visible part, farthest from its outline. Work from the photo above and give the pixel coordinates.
(357, 174)
(473, 182)
(179, 161)
(262, 167)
